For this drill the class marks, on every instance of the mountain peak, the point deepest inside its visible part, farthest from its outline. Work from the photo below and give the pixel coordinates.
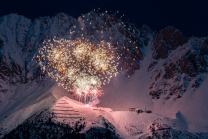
(166, 40)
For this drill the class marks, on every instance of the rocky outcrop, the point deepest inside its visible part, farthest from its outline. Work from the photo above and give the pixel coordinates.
(15, 49)
(183, 67)
(163, 131)
(146, 34)
(165, 41)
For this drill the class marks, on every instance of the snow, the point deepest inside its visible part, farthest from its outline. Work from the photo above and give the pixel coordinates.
(24, 102)
(18, 117)
(125, 123)
(68, 111)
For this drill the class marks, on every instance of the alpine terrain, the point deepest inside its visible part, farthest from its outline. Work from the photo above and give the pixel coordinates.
(164, 72)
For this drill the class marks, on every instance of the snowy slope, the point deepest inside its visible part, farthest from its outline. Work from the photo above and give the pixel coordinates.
(68, 114)
(123, 93)
(126, 124)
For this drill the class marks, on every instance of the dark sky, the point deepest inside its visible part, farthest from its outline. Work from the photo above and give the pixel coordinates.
(189, 16)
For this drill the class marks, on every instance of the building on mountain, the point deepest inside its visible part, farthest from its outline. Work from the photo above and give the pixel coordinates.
(148, 111)
(133, 109)
(140, 111)
(136, 110)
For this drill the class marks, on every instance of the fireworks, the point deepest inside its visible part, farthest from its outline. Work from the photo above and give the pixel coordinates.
(79, 65)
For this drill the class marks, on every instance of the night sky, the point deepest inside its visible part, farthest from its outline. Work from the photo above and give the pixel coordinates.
(189, 16)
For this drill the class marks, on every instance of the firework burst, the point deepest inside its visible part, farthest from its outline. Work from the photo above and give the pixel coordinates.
(79, 65)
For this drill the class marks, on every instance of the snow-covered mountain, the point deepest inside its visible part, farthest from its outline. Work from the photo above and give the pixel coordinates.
(68, 118)
(164, 72)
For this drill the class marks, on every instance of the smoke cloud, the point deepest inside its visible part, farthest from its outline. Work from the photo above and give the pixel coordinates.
(94, 102)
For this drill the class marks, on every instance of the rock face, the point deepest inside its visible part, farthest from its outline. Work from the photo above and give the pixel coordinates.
(182, 68)
(165, 41)
(161, 131)
(146, 34)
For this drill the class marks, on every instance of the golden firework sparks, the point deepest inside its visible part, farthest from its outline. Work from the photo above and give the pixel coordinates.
(79, 63)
